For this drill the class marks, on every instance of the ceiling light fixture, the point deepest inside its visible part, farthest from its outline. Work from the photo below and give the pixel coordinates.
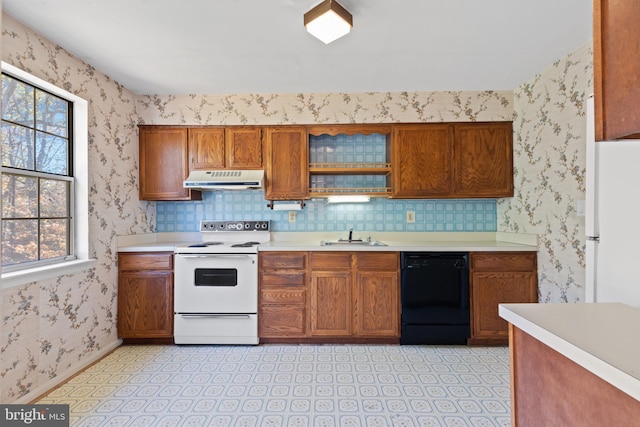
(328, 21)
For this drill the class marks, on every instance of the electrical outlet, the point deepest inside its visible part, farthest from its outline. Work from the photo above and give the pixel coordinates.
(292, 216)
(411, 217)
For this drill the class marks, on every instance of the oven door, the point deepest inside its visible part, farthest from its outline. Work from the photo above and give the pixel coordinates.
(216, 283)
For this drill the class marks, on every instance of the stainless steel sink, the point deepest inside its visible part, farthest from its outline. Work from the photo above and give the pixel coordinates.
(351, 243)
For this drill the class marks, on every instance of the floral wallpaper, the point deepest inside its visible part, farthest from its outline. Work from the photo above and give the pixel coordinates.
(376, 107)
(549, 172)
(54, 325)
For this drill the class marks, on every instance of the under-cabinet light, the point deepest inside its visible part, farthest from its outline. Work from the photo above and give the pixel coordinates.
(348, 199)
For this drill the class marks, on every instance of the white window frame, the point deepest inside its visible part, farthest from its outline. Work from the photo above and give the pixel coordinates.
(80, 196)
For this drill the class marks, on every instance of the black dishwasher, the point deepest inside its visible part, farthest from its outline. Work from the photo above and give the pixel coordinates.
(435, 298)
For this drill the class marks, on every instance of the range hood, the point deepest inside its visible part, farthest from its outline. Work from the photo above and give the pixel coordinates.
(225, 179)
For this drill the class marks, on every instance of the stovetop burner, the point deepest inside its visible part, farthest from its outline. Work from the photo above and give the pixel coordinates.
(205, 244)
(245, 245)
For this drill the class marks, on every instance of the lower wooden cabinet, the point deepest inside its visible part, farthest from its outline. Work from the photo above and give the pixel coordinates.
(315, 296)
(499, 277)
(145, 295)
(283, 295)
(355, 294)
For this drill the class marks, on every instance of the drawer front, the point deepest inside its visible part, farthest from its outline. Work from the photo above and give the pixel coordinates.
(330, 261)
(278, 321)
(503, 261)
(145, 261)
(289, 278)
(387, 261)
(283, 260)
(283, 296)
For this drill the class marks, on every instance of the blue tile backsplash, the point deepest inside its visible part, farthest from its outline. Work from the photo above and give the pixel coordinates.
(318, 215)
(378, 215)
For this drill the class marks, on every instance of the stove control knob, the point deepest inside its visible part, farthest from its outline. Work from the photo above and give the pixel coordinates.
(247, 225)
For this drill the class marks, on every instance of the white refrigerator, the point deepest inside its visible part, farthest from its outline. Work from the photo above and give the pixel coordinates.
(612, 218)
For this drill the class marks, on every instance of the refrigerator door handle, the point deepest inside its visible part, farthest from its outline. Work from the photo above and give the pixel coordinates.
(591, 176)
(591, 282)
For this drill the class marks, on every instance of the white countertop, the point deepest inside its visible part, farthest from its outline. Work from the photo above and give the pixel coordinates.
(310, 241)
(603, 338)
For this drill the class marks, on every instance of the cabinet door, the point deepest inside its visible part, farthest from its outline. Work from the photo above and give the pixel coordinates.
(616, 68)
(206, 148)
(421, 160)
(483, 155)
(243, 148)
(164, 164)
(377, 304)
(488, 289)
(286, 163)
(145, 304)
(331, 305)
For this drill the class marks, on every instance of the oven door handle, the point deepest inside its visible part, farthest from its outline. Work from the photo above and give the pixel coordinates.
(224, 316)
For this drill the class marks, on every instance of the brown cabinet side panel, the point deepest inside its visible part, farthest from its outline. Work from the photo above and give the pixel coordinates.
(616, 68)
(551, 390)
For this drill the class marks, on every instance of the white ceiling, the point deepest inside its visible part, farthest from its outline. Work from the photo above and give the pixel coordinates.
(261, 46)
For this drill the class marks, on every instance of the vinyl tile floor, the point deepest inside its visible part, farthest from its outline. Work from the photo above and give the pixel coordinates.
(291, 385)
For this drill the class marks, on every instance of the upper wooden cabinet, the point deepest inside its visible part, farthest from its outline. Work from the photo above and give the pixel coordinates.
(616, 68)
(286, 163)
(225, 148)
(243, 147)
(164, 164)
(452, 160)
(206, 148)
(422, 161)
(483, 164)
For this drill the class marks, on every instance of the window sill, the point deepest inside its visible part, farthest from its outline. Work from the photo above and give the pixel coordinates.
(22, 277)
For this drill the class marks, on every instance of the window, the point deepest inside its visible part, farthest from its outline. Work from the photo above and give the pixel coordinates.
(37, 181)
(44, 177)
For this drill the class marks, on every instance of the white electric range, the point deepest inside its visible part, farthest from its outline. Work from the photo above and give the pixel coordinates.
(216, 284)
